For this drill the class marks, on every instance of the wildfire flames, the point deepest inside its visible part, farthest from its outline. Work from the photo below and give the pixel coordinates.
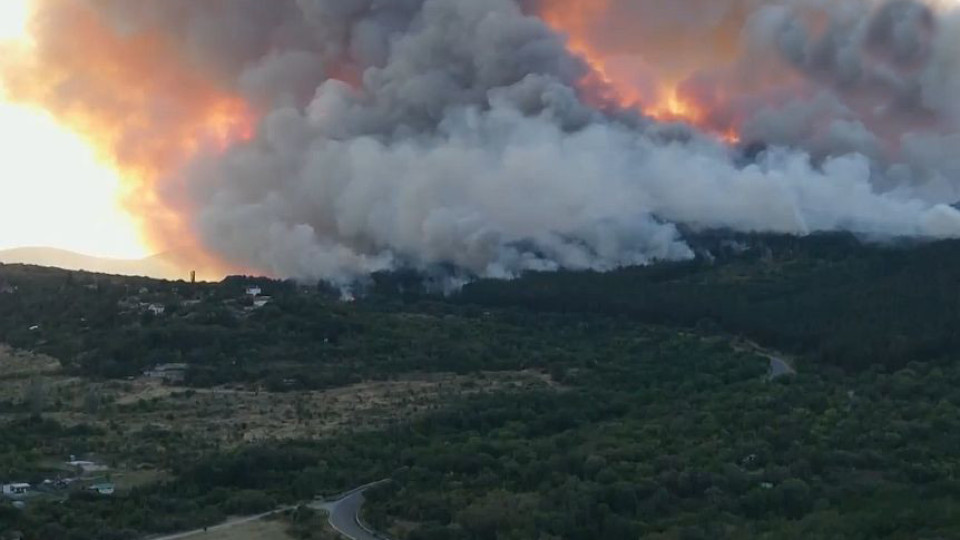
(331, 138)
(665, 102)
(149, 141)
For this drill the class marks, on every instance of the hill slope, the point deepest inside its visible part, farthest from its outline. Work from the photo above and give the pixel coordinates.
(155, 267)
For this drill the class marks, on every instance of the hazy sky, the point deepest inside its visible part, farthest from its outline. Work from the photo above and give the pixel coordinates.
(53, 189)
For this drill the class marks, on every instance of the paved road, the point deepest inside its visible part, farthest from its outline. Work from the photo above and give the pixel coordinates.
(344, 515)
(780, 368)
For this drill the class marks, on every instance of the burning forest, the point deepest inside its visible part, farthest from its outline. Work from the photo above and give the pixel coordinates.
(333, 138)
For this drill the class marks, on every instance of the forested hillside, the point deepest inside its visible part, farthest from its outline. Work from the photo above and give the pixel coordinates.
(831, 298)
(556, 406)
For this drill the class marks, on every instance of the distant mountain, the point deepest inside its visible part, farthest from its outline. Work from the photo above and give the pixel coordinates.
(159, 266)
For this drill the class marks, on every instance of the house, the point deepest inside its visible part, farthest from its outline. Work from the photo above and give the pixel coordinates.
(87, 466)
(156, 309)
(103, 489)
(15, 491)
(168, 372)
(253, 290)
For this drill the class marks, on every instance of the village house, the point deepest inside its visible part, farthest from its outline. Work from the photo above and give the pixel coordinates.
(103, 489)
(253, 290)
(157, 309)
(173, 373)
(15, 491)
(87, 467)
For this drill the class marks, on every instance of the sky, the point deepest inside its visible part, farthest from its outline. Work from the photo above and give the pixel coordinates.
(54, 191)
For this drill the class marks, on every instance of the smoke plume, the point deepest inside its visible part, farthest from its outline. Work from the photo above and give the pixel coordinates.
(333, 138)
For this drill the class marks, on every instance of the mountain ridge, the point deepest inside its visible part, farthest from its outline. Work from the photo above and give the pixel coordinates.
(157, 266)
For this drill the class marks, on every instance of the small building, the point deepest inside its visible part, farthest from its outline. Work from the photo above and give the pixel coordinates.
(157, 309)
(253, 290)
(168, 372)
(87, 467)
(15, 491)
(103, 489)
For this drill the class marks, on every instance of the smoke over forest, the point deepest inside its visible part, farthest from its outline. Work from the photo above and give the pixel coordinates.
(333, 138)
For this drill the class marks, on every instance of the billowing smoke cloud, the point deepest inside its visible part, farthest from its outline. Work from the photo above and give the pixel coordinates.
(475, 133)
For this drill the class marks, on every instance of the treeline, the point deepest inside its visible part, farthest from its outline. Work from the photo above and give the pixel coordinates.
(829, 297)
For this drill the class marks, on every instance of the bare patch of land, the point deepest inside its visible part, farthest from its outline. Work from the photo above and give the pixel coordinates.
(255, 530)
(240, 529)
(141, 425)
(16, 364)
(232, 416)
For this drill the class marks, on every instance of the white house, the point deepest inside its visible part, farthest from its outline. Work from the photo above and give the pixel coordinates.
(87, 466)
(103, 489)
(14, 491)
(168, 372)
(253, 290)
(156, 309)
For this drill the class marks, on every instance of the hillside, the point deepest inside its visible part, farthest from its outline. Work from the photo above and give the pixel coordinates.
(565, 406)
(155, 267)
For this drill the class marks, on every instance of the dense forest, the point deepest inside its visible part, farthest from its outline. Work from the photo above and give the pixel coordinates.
(831, 297)
(657, 419)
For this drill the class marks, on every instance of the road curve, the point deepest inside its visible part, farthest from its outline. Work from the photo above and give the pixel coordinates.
(345, 515)
(779, 367)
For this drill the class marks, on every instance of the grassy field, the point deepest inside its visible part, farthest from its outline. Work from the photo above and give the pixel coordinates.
(232, 416)
(143, 428)
(252, 530)
(18, 364)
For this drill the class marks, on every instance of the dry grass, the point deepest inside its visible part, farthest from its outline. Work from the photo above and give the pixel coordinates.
(230, 417)
(253, 530)
(19, 364)
(145, 423)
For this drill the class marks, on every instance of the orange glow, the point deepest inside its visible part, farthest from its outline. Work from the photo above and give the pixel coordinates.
(665, 103)
(573, 19)
(144, 110)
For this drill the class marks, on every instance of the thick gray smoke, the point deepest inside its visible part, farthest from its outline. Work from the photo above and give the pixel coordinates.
(452, 132)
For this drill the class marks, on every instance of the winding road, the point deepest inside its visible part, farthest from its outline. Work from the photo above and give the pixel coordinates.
(779, 367)
(344, 517)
